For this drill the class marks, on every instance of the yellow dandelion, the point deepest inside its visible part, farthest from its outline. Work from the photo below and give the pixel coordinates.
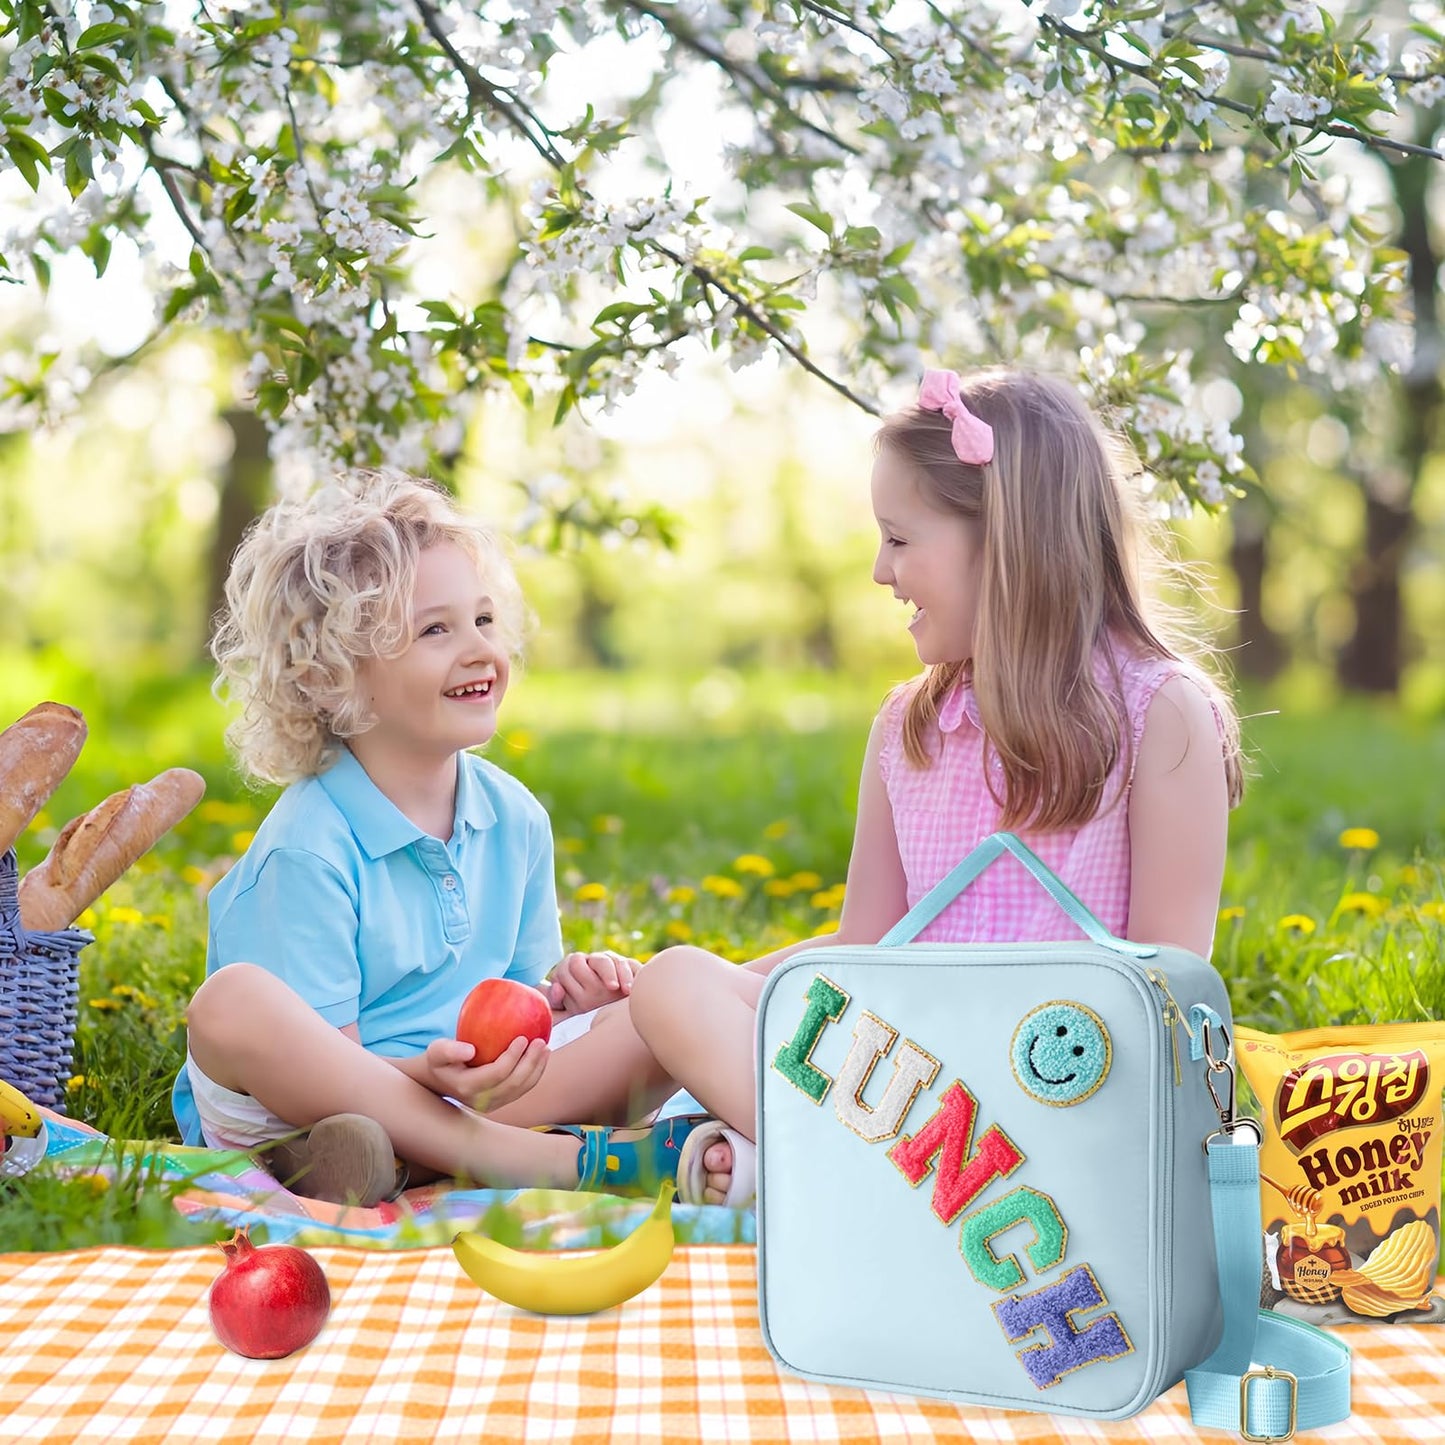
(722, 887)
(161, 920)
(87, 919)
(1366, 903)
(1298, 922)
(777, 830)
(805, 880)
(520, 741)
(125, 915)
(216, 810)
(1361, 838)
(74, 1082)
(755, 864)
(195, 876)
(105, 1005)
(681, 894)
(591, 893)
(570, 845)
(40, 821)
(1231, 914)
(607, 823)
(1434, 908)
(1410, 875)
(243, 840)
(678, 931)
(125, 990)
(823, 928)
(779, 888)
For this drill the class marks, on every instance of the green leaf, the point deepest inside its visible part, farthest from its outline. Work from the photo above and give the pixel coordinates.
(619, 311)
(29, 155)
(78, 172)
(756, 253)
(97, 247)
(813, 216)
(285, 321)
(55, 107)
(101, 35)
(42, 270)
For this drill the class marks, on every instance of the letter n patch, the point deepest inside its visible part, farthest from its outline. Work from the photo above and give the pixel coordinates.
(962, 1176)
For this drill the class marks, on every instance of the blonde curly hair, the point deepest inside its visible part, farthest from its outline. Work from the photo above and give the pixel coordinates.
(318, 585)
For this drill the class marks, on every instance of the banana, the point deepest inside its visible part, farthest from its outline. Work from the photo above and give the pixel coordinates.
(562, 1283)
(18, 1116)
(23, 1136)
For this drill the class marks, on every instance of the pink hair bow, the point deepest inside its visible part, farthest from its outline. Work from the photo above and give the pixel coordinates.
(972, 438)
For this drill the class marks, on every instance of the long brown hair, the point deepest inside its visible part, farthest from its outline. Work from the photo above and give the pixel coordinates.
(1068, 560)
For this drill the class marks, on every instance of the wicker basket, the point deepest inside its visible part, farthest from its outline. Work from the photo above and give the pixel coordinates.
(39, 991)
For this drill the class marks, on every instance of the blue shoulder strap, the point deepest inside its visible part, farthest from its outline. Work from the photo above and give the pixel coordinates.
(1303, 1381)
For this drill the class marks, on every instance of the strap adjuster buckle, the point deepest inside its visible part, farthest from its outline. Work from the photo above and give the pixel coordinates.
(1267, 1373)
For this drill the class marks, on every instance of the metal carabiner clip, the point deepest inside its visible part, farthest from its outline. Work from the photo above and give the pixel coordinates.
(1229, 1117)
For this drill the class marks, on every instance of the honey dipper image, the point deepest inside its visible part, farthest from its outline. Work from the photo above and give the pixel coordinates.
(1313, 1263)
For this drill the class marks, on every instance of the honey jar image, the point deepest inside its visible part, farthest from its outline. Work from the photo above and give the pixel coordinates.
(1311, 1259)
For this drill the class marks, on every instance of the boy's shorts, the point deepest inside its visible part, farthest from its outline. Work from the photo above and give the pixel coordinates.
(240, 1121)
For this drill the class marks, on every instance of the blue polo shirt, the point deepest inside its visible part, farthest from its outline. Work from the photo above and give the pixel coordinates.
(376, 923)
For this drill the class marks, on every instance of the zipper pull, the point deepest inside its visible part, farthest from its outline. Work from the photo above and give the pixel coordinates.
(1173, 1014)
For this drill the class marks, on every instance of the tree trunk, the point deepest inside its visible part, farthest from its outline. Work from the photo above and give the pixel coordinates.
(1260, 654)
(1370, 661)
(245, 490)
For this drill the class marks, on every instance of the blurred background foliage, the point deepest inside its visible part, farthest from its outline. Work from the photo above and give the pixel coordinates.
(756, 532)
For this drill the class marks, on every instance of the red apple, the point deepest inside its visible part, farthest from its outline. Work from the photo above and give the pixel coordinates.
(499, 1010)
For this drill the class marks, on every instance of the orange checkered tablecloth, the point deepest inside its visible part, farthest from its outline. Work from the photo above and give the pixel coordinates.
(115, 1344)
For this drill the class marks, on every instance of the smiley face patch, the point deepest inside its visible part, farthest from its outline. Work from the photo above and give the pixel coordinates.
(1060, 1053)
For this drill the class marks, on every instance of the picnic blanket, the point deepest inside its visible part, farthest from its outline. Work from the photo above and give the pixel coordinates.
(214, 1186)
(115, 1344)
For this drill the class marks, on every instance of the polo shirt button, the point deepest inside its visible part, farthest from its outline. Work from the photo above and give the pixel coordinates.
(449, 881)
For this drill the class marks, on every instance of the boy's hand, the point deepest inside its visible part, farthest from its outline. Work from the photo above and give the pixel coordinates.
(585, 981)
(485, 1086)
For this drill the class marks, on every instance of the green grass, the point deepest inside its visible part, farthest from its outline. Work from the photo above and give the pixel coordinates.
(717, 810)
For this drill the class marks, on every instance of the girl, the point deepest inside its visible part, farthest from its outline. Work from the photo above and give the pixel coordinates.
(1054, 703)
(368, 635)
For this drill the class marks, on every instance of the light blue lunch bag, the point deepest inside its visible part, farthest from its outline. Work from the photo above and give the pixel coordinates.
(1012, 1175)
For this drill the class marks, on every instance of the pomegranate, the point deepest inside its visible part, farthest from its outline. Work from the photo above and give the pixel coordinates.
(268, 1301)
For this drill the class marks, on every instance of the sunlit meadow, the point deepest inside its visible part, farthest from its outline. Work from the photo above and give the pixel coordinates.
(680, 818)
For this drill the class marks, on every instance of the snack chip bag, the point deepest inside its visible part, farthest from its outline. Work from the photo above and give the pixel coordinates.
(1350, 1169)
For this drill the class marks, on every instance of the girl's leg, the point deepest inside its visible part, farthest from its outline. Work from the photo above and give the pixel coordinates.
(251, 1033)
(696, 1013)
(607, 1076)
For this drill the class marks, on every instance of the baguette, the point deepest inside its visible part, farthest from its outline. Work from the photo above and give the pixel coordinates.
(94, 849)
(36, 752)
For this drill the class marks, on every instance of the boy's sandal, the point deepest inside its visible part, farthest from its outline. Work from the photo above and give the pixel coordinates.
(630, 1166)
(692, 1173)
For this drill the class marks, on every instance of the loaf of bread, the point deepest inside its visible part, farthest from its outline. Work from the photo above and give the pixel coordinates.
(36, 752)
(94, 849)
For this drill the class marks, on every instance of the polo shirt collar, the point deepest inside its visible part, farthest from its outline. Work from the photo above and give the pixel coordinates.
(474, 807)
(378, 824)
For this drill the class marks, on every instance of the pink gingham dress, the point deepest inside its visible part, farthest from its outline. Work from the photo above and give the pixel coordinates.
(941, 812)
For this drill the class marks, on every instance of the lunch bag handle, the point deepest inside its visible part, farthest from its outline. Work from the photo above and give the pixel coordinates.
(989, 851)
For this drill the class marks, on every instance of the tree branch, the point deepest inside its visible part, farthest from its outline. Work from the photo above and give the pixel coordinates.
(1144, 72)
(740, 74)
(746, 308)
(521, 117)
(848, 24)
